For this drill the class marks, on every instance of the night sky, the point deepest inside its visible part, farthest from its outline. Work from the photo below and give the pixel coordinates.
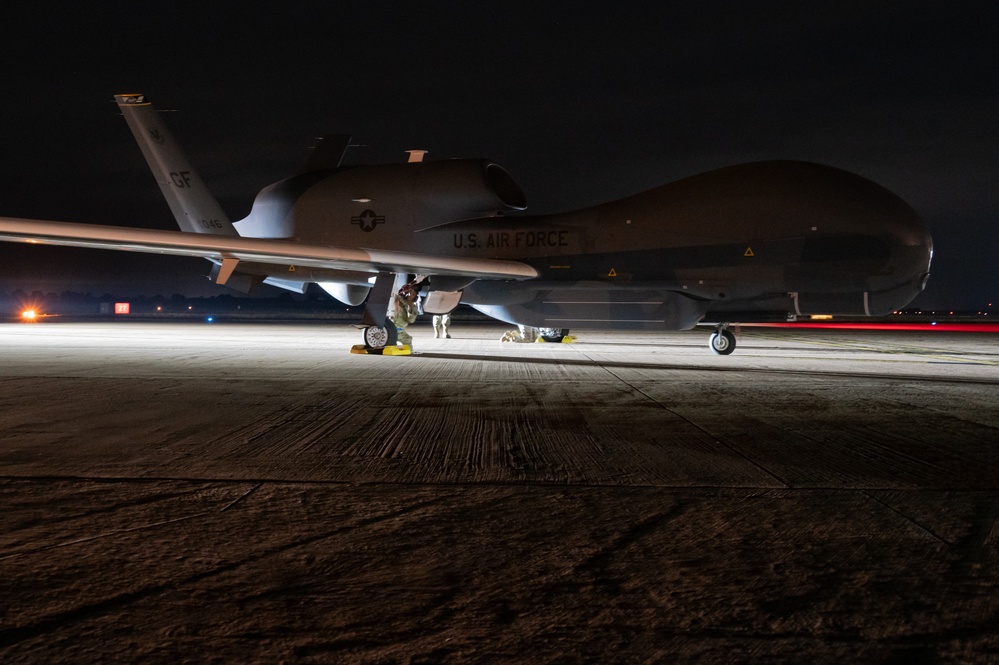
(581, 105)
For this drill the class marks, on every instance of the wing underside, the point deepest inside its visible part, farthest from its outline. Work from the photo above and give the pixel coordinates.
(229, 250)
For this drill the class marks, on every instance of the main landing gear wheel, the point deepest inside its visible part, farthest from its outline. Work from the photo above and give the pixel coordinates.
(722, 342)
(553, 335)
(377, 337)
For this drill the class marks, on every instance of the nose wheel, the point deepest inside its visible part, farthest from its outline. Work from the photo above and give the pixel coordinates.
(722, 341)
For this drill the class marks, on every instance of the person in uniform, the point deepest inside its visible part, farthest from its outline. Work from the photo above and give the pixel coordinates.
(442, 325)
(404, 312)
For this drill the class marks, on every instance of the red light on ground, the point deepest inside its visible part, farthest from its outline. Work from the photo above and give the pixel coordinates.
(949, 327)
(122, 308)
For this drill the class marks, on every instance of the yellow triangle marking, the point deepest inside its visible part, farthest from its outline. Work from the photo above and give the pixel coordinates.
(749, 252)
(612, 273)
(291, 268)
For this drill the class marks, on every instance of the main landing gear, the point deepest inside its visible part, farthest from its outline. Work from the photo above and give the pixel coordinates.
(722, 340)
(378, 337)
(553, 335)
(377, 330)
(380, 341)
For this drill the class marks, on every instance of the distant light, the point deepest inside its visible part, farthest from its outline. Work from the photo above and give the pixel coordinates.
(29, 315)
(159, 308)
(210, 319)
(190, 307)
(934, 323)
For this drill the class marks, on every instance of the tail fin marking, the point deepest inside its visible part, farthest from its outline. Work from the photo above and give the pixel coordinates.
(194, 208)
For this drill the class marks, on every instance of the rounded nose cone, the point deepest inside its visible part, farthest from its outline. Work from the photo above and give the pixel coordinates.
(878, 212)
(861, 206)
(910, 249)
(911, 240)
(909, 229)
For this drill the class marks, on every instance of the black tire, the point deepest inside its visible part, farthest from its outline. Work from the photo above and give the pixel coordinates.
(377, 337)
(722, 342)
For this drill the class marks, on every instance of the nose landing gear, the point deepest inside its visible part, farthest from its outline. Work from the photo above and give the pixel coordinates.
(722, 340)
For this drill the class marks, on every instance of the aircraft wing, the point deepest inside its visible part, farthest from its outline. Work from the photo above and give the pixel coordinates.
(231, 249)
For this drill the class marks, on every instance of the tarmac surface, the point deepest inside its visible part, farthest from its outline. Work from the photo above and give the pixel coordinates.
(255, 493)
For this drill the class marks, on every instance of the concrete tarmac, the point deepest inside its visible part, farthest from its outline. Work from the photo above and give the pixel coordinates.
(255, 493)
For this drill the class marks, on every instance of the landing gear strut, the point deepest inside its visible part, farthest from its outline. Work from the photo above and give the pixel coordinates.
(378, 331)
(722, 340)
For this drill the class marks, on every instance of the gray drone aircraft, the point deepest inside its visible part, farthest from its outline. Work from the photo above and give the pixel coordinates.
(758, 242)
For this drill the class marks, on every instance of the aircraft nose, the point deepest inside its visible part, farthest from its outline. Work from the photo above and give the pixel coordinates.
(914, 237)
(911, 245)
(910, 230)
(910, 251)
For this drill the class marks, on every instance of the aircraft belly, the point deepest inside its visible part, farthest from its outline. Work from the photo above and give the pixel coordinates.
(600, 309)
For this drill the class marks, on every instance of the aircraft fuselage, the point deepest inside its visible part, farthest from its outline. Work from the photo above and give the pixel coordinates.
(755, 241)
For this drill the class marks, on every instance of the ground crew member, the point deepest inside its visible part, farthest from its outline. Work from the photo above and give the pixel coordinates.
(404, 312)
(442, 323)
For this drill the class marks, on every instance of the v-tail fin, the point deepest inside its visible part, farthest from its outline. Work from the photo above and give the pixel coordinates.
(195, 209)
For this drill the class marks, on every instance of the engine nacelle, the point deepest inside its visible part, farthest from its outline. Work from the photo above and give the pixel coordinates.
(358, 205)
(348, 294)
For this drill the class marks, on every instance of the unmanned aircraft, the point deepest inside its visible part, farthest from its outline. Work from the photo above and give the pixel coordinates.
(758, 242)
